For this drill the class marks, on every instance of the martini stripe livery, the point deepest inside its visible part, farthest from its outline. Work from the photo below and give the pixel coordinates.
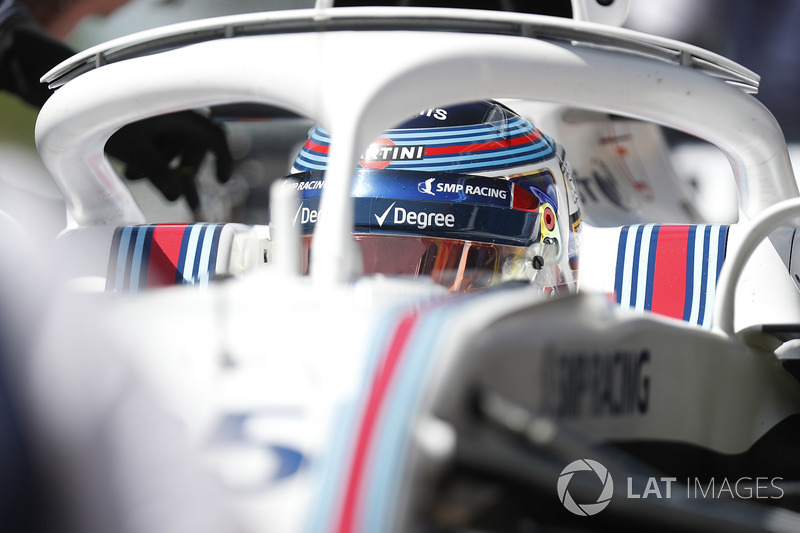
(670, 270)
(164, 254)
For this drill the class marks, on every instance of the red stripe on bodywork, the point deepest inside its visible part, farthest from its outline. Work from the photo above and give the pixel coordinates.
(165, 251)
(669, 275)
(380, 385)
(493, 145)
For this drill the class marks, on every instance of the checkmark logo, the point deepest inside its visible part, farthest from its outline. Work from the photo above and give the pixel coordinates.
(382, 217)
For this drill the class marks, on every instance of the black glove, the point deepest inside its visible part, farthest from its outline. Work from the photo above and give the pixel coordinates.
(169, 149)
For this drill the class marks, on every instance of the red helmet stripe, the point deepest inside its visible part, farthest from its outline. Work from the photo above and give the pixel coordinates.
(493, 145)
(316, 147)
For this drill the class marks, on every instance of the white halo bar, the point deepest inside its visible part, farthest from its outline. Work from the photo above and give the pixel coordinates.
(359, 83)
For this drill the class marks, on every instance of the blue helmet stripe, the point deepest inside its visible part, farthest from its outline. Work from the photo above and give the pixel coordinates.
(483, 130)
(304, 167)
(499, 163)
(457, 141)
(313, 156)
(514, 128)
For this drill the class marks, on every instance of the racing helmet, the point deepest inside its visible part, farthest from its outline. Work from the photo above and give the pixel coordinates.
(471, 195)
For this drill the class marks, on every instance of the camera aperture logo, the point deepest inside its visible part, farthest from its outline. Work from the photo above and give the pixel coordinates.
(585, 509)
(595, 478)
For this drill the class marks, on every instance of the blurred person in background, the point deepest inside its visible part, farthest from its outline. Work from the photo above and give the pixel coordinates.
(759, 34)
(168, 150)
(76, 455)
(59, 19)
(763, 37)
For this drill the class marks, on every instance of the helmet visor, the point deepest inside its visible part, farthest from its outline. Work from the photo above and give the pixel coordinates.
(458, 265)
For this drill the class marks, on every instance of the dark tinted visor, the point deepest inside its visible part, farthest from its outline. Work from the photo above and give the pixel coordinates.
(458, 265)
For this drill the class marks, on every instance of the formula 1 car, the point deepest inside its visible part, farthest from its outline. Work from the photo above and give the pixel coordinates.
(657, 387)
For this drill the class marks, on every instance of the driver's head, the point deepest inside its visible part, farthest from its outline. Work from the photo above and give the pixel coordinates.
(470, 195)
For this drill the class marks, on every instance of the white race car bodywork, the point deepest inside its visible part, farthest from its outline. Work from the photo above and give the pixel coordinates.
(337, 402)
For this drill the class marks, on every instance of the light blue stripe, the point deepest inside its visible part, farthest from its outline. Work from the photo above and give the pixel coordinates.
(122, 256)
(637, 253)
(320, 139)
(393, 430)
(442, 140)
(203, 274)
(471, 129)
(322, 135)
(699, 259)
(305, 154)
(627, 271)
(445, 137)
(704, 271)
(329, 468)
(200, 240)
(191, 252)
(427, 166)
(644, 258)
(500, 155)
(136, 266)
(332, 466)
(711, 291)
(304, 166)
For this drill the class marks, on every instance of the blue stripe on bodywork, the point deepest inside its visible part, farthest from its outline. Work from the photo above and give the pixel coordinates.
(619, 280)
(704, 267)
(122, 259)
(187, 231)
(637, 250)
(688, 296)
(651, 268)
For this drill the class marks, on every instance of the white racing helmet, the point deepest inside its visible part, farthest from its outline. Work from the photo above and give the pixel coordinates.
(470, 195)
